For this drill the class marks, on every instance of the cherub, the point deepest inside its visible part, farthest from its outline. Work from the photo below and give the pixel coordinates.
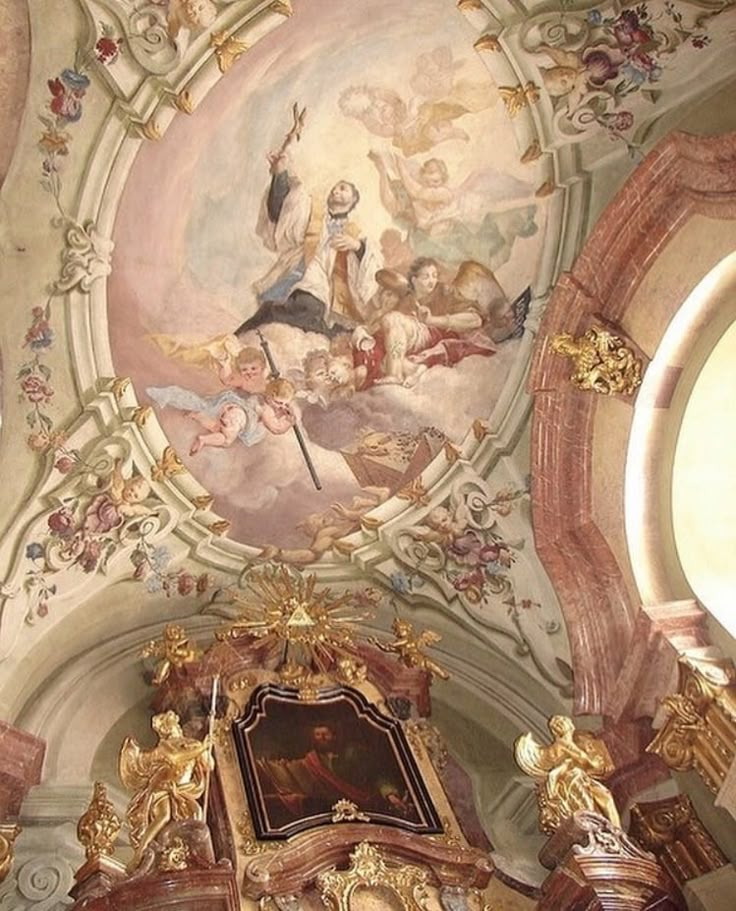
(326, 375)
(247, 419)
(123, 499)
(236, 367)
(189, 14)
(247, 371)
(326, 528)
(408, 647)
(172, 649)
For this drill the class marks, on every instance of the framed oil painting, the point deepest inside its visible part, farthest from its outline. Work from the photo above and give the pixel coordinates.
(299, 760)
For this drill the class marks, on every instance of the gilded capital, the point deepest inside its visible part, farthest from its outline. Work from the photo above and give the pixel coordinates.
(699, 731)
(672, 831)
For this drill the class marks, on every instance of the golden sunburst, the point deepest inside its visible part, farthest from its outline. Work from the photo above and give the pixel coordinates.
(284, 606)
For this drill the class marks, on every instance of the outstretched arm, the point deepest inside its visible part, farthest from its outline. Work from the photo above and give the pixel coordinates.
(277, 420)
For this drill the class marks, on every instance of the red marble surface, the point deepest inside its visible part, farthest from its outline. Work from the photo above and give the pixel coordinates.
(21, 762)
(683, 176)
(186, 890)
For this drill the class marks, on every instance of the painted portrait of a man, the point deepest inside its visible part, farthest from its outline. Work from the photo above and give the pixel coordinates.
(299, 760)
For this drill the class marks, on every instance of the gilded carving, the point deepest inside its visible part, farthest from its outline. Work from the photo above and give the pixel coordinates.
(487, 43)
(423, 735)
(408, 647)
(99, 826)
(175, 856)
(568, 773)
(347, 811)
(415, 493)
(172, 650)
(141, 414)
(370, 868)
(167, 466)
(168, 781)
(601, 362)
(119, 386)
(700, 727)
(8, 834)
(516, 98)
(671, 830)
(227, 49)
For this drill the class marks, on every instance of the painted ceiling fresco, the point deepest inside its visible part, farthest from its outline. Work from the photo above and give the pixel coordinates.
(393, 323)
(275, 275)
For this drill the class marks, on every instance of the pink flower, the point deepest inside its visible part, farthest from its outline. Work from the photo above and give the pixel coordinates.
(36, 389)
(184, 583)
(61, 522)
(37, 441)
(203, 583)
(42, 609)
(90, 555)
(64, 464)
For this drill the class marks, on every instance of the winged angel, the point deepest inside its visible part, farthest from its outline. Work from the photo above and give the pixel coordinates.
(567, 773)
(168, 780)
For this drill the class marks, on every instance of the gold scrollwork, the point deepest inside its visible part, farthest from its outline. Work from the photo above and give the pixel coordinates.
(168, 465)
(370, 868)
(8, 834)
(517, 97)
(99, 825)
(227, 49)
(700, 729)
(347, 811)
(415, 493)
(118, 386)
(601, 362)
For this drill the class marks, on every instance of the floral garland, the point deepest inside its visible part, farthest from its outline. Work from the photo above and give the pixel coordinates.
(89, 526)
(63, 108)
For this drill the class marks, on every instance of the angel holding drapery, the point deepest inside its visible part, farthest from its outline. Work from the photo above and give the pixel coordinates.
(568, 773)
(168, 781)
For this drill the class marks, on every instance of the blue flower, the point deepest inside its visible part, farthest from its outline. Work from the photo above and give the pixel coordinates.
(595, 17)
(153, 584)
(34, 551)
(633, 74)
(400, 583)
(75, 81)
(160, 558)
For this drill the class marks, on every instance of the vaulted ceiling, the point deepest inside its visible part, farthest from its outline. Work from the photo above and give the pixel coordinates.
(135, 163)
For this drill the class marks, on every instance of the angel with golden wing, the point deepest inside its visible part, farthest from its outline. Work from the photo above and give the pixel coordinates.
(568, 773)
(168, 781)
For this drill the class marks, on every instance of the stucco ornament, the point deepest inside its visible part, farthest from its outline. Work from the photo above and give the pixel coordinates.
(86, 257)
(459, 554)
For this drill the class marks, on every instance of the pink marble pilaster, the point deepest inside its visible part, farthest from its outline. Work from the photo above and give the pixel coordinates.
(21, 762)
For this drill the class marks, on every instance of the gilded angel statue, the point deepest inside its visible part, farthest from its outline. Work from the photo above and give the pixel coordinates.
(168, 781)
(408, 645)
(568, 773)
(173, 651)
